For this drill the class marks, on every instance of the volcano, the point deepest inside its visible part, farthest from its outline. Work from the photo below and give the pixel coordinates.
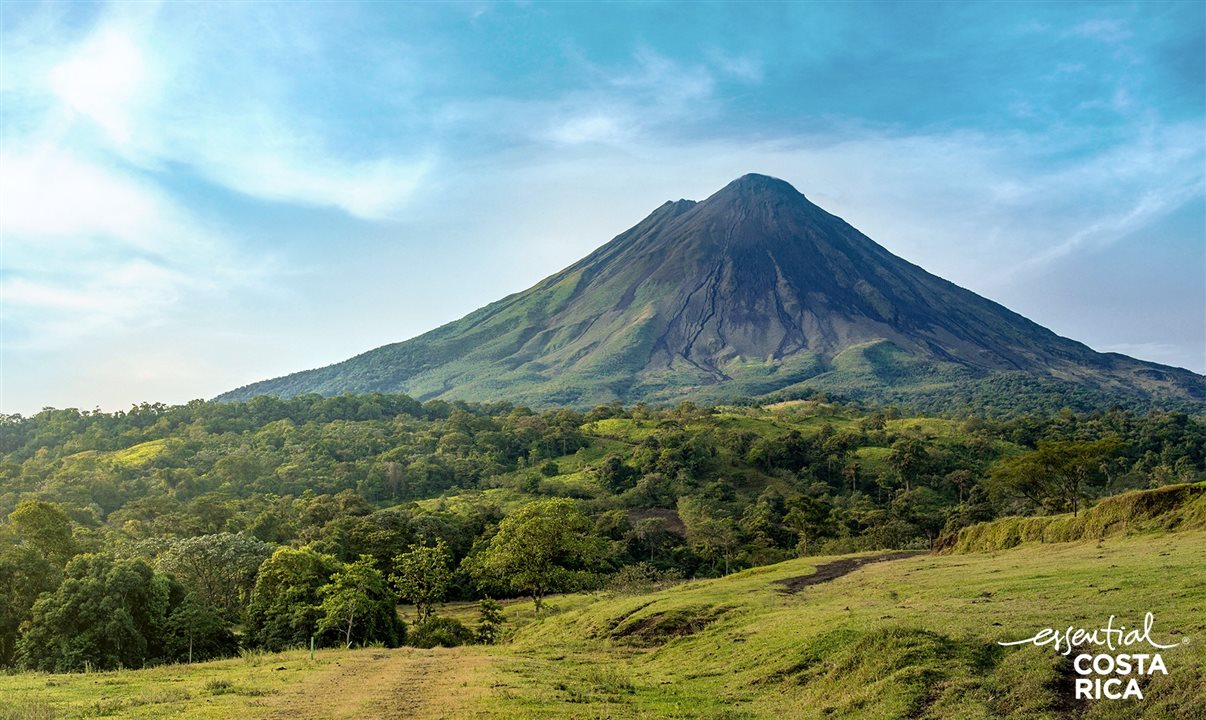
(754, 292)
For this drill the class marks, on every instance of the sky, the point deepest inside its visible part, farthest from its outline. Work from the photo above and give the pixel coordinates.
(195, 196)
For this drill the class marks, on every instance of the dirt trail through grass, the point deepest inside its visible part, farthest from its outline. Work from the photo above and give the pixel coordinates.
(386, 684)
(834, 570)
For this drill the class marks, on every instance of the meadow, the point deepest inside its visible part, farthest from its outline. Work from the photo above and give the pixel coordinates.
(914, 637)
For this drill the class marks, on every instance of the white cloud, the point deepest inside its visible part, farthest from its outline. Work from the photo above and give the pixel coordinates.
(159, 101)
(369, 189)
(592, 128)
(104, 80)
(619, 107)
(98, 297)
(89, 248)
(53, 195)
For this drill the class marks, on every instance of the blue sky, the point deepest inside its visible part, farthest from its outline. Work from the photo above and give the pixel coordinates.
(194, 196)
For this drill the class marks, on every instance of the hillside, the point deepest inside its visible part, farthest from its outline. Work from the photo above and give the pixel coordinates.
(907, 638)
(1169, 507)
(754, 291)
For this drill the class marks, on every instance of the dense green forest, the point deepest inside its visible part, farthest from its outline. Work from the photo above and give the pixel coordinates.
(182, 533)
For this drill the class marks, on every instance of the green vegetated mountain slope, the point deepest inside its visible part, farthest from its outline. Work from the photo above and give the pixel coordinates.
(825, 637)
(753, 291)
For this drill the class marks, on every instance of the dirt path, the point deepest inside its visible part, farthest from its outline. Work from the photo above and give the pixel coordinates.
(834, 570)
(386, 684)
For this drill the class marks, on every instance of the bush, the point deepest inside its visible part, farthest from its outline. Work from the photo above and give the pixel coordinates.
(441, 632)
(489, 625)
(642, 578)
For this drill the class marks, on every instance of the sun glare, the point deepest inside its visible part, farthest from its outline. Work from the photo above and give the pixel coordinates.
(101, 81)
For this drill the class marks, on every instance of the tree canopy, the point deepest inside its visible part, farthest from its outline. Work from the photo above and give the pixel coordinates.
(543, 547)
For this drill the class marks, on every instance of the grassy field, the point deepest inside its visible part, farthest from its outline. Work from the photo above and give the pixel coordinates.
(906, 638)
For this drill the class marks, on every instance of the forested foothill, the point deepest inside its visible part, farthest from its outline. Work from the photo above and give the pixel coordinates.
(184, 533)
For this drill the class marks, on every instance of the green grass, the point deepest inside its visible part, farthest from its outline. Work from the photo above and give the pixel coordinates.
(204, 690)
(622, 429)
(140, 454)
(1172, 507)
(907, 638)
(506, 498)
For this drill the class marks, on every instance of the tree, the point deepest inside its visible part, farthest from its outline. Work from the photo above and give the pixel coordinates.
(196, 631)
(45, 527)
(614, 475)
(908, 459)
(651, 533)
(542, 547)
(1056, 475)
(283, 611)
(423, 575)
(809, 519)
(358, 598)
(710, 531)
(441, 632)
(25, 574)
(490, 621)
(962, 479)
(106, 614)
(220, 569)
(763, 520)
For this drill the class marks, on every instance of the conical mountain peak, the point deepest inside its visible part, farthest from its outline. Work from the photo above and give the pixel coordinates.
(760, 209)
(751, 291)
(757, 187)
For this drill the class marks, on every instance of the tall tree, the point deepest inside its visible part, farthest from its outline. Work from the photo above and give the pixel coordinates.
(106, 614)
(45, 527)
(283, 611)
(25, 574)
(908, 460)
(710, 530)
(197, 631)
(422, 576)
(1057, 474)
(545, 546)
(358, 601)
(220, 568)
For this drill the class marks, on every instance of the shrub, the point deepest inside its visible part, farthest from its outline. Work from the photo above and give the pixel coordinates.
(489, 625)
(441, 632)
(641, 578)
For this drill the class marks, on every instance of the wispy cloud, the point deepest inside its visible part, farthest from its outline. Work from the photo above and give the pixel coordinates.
(620, 106)
(745, 68)
(88, 248)
(152, 99)
(1108, 30)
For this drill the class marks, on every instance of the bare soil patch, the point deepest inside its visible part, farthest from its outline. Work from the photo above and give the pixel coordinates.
(830, 571)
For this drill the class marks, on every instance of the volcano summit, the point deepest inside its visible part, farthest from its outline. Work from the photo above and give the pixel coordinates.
(753, 292)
